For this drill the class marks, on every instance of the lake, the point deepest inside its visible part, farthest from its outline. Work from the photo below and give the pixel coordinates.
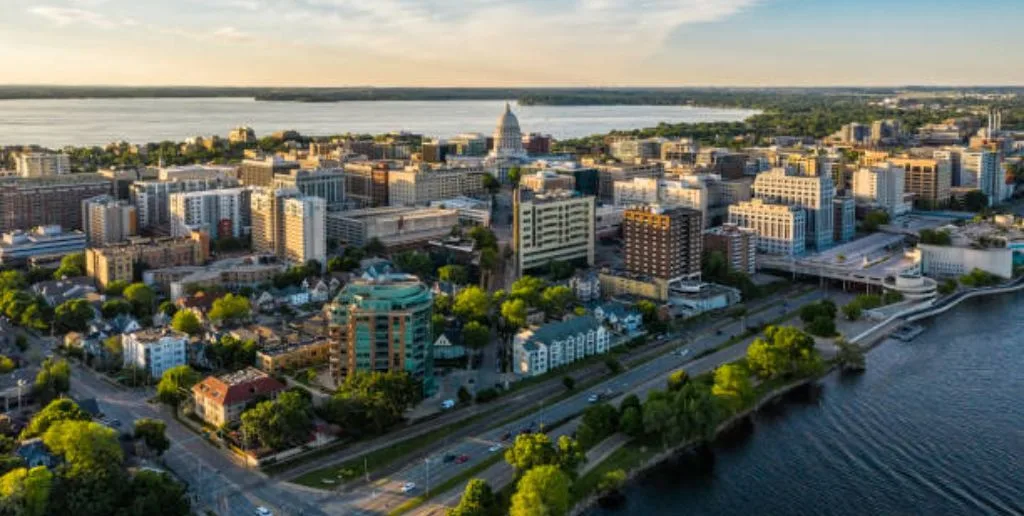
(935, 426)
(55, 123)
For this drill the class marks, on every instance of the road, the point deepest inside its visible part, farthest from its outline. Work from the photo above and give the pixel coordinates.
(215, 481)
(387, 494)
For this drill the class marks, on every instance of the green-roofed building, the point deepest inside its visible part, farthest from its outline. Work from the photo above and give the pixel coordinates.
(381, 322)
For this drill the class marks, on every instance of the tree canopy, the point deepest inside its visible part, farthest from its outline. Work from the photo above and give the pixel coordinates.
(187, 322)
(73, 315)
(230, 309)
(174, 383)
(63, 409)
(542, 491)
(732, 386)
(274, 424)
(785, 352)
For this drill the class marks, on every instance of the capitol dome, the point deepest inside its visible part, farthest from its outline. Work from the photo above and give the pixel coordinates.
(508, 138)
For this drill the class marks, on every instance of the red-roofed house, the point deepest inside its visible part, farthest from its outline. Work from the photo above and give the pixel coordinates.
(220, 400)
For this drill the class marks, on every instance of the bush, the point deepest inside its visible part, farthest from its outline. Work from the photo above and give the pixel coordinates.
(569, 383)
(613, 365)
(486, 395)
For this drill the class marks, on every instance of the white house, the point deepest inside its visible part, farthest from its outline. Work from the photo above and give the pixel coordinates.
(586, 285)
(538, 350)
(154, 351)
(619, 317)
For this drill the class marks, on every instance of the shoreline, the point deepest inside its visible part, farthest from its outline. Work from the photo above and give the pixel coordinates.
(779, 393)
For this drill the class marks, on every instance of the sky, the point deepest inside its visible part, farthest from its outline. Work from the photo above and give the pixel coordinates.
(511, 42)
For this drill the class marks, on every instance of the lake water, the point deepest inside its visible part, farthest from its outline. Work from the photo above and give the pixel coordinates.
(55, 123)
(934, 427)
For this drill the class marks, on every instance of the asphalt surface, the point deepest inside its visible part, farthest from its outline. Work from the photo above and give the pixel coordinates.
(387, 494)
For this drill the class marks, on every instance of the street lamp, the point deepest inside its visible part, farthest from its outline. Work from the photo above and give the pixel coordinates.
(21, 385)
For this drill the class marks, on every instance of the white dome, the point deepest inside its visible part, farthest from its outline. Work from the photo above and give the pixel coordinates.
(508, 139)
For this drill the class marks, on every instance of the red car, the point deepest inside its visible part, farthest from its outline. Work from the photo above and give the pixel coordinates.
(461, 458)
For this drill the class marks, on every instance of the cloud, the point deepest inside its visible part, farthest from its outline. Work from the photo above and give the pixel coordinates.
(66, 16)
(231, 34)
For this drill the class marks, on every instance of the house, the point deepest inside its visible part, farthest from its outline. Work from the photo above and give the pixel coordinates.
(535, 317)
(35, 453)
(199, 303)
(620, 317)
(448, 345)
(220, 400)
(320, 293)
(586, 285)
(99, 330)
(538, 350)
(56, 292)
(155, 350)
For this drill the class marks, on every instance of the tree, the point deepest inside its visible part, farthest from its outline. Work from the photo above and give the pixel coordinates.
(187, 322)
(113, 349)
(975, 200)
(557, 299)
(852, 311)
(875, 219)
(602, 418)
(822, 326)
(632, 423)
(230, 309)
(613, 365)
(437, 325)
(26, 492)
(695, 413)
(53, 379)
(71, 265)
(92, 480)
(73, 315)
(116, 288)
(6, 364)
(732, 386)
(612, 481)
(935, 237)
(677, 379)
(63, 409)
(374, 247)
(464, 396)
(141, 297)
(483, 238)
(154, 493)
(784, 352)
(456, 274)
(948, 287)
(560, 270)
(477, 500)
(542, 491)
(442, 304)
(514, 311)
(529, 289)
(657, 417)
(154, 433)
(652, 319)
(174, 383)
(475, 335)
(274, 424)
(515, 174)
(850, 356)
(472, 304)
(569, 383)
(570, 454)
(529, 451)
(114, 307)
(415, 263)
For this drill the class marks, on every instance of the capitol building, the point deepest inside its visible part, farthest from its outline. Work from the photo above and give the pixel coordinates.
(508, 151)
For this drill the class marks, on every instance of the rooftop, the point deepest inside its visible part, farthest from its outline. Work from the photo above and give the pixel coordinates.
(238, 387)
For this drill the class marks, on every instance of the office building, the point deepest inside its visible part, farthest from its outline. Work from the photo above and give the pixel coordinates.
(686, 191)
(812, 193)
(683, 151)
(106, 220)
(929, 180)
(537, 144)
(884, 132)
(664, 242)
(383, 324)
(781, 229)
(982, 169)
(220, 400)
(632, 150)
(552, 226)
(304, 231)
(737, 244)
(222, 173)
(366, 184)
(154, 350)
(152, 199)
(242, 134)
(881, 186)
(395, 227)
(42, 164)
(48, 200)
(544, 180)
(19, 247)
(122, 179)
(418, 185)
(539, 350)
(844, 217)
(267, 215)
(117, 262)
(260, 172)
(469, 144)
(608, 175)
(472, 212)
(954, 261)
(221, 213)
(294, 356)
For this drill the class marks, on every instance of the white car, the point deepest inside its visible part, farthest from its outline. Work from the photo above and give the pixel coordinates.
(408, 487)
(593, 398)
(494, 448)
(263, 511)
(684, 352)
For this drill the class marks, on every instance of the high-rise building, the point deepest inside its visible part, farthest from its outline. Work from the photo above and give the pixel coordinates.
(267, 212)
(781, 229)
(663, 242)
(260, 172)
(632, 149)
(418, 185)
(881, 186)
(552, 226)
(929, 180)
(42, 164)
(686, 191)
(547, 180)
(106, 220)
(154, 350)
(305, 236)
(608, 175)
(469, 144)
(845, 219)
(328, 184)
(152, 199)
(366, 184)
(812, 193)
(49, 200)
(383, 324)
(220, 213)
(737, 244)
(982, 170)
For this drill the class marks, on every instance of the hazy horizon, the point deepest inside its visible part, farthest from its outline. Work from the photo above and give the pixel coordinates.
(512, 43)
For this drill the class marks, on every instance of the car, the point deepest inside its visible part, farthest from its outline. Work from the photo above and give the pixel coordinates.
(116, 422)
(684, 352)
(496, 447)
(408, 487)
(448, 458)
(593, 398)
(506, 436)
(462, 459)
(447, 404)
(263, 511)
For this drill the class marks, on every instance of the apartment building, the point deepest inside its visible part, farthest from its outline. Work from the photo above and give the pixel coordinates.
(152, 199)
(418, 185)
(366, 184)
(328, 184)
(664, 242)
(609, 174)
(220, 400)
(781, 229)
(544, 180)
(552, 226)
(881, 186)
(106, 220)
(154, 350)
(117, 262)
(42, 164)
(305, 229)
(47, 200)
(221, 213)
(982, 170)
(686, 191)
(261, 172)
(737, 244)
(929, 180)
(539, 350)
